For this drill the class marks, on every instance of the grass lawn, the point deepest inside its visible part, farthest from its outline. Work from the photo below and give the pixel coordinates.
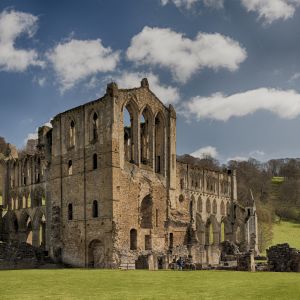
(115, 284)
(287, 232)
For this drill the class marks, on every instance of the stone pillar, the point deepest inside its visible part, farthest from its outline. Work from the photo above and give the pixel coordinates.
(35, 237)
(233, 186)
(151, 263)
(170, 161)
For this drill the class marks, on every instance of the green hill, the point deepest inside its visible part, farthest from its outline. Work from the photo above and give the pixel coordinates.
(287, 232)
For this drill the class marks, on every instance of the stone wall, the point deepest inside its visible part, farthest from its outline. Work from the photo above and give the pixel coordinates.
(283, 258)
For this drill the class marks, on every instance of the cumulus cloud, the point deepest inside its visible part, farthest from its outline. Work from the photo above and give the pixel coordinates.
(205, 152)
(183, 56)
(167, 94)
(285, 104)
(189, 3)
(14, 24)
(267, 10)
(272, 10)
(256, 154)
(76, 60)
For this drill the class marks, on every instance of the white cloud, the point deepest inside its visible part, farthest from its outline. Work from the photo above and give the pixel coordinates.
(205, 151)
(183, 56)
(267, 10)
(41, 81)
(180, 3)
(256, 154)
(167, 94)
(285, 104)
(214, 3)
(294, 77)
(188, 4)
(14, 24)
(272, 10)
(76, 60)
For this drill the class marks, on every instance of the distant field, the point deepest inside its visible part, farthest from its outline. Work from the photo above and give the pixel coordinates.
(278, 179)
(110, 284)
(287, 232)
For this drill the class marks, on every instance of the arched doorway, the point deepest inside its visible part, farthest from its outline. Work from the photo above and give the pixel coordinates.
(96, 254)
(39, 230)
(25, 230)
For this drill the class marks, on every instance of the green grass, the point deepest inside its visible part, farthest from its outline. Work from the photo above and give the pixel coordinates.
(277, 179)
(115, 284)
(287, 232)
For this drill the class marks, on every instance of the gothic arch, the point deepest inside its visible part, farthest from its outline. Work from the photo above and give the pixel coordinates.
(200, 229)
(93, 125)
(39, 229)
(146, 135)
(212, 231)
(130, 132)
(25, 227)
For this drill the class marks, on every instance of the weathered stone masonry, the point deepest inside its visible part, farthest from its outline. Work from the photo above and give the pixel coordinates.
(106, 190)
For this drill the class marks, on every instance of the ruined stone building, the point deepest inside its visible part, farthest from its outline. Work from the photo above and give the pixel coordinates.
(107, 191)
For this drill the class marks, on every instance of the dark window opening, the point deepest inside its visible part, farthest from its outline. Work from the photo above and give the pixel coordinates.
(95, 127)
(133, 239)
(157, 170)
(95, 209)
(70, 211)
(171, 241)
(95, 161)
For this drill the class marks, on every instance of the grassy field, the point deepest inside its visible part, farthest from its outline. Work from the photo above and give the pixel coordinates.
(110, 284)
(287, 232)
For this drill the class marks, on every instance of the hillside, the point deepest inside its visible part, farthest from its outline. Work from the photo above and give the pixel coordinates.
(286, 232)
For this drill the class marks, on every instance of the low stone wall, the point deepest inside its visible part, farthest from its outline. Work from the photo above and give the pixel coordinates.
(17, 255)
(282, 258)
(246, 262)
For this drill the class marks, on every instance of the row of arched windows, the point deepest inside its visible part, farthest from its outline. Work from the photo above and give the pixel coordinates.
(195, 182)
(210, 207)
(25, 202)
(95, 210)
(26, 172)
(151, 139)
(93, 132)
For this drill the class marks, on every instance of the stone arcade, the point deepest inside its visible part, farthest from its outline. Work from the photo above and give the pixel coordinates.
(107, 191)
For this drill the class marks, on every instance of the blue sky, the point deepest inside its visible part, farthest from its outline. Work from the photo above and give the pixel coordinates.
(230, 68)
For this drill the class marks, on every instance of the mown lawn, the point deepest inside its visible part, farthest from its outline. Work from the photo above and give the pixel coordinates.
(115, 284)
(287, 232)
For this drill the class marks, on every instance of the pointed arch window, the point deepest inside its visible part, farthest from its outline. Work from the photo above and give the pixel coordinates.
(72, 134)
(70, 167)
(95, 126)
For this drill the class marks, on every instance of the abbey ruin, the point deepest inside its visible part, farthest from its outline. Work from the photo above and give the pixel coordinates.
(98, 192)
